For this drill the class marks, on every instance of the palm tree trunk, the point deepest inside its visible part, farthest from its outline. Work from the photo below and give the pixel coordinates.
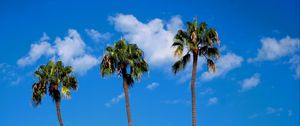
(125, 86)
(58, 113)
(195, 59)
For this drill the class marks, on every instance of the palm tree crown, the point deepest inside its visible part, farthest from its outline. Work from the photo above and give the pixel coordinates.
(54, 76)
(121, 58)
(198, 40)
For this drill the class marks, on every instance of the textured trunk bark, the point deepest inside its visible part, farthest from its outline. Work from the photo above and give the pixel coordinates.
(193, 90)
(58, 113)
(125, 86)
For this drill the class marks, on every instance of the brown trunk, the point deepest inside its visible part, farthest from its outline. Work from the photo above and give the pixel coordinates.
(125, 86)
(195, 59)
(58, 113)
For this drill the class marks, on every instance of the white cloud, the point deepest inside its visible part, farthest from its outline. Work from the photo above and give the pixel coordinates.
(213, 100)
(225, 64)
(154, 37)
(71, 50)
(12, 74)
(272, 110)
(251, 82)
(177, 101)
(253, 116)
(97, 36)
(273, 49)
(207, 91)
(37, 50)
(84, 63)
(295, 65)
(115, 100)
(152, 86)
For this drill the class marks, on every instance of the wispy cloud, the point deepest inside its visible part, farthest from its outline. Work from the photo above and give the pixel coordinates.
(12, 74)
(253, 116)
(97, 36)
(152, 86)
(272, 111)
(290, 113)
(207, 91)
(275, 111)
(115, 100)
(177, 101)
(213, 100)
(71, 50)
(154, 37)
(251, 82)
(295, 65)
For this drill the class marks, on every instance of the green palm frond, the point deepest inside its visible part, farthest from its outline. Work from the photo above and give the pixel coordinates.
(211, 65)
(53, 76)
(186, 59)
(178, 51)
(129, 80)
(107, 65)
(198, 39)
(177, 66)
(121, 57)
(202, 28)
(213, 53)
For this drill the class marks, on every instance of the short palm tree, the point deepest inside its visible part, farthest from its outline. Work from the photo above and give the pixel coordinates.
(128, 61)
(198, 41)
(54, 78)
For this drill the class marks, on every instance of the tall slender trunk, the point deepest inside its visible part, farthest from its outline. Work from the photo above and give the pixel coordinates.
(58, 113)
(125, 86)
(193, 90)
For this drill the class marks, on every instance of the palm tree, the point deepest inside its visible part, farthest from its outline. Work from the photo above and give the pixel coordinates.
(198, 40)
(51, 77)
(128, 61)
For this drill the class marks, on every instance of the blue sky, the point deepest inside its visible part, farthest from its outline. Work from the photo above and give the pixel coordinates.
(256, 83)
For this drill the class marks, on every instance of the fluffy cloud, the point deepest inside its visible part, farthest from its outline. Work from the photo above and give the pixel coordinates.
(213, 100)
(273, 49)
(251, 82)
(37, 50)
(71, 50)
(152, 86)
(97, 36)
(225, 64)
(154, 37)
(115, 100)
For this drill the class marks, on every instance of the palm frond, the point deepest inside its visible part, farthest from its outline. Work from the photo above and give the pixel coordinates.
(186, 59)
(107, 65)
(177, 66)
(129, 80)
(211, 65)
(213, 53)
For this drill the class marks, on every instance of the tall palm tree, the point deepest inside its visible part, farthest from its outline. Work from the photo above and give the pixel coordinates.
(54, 78)
(128, 61)
(198, 41)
